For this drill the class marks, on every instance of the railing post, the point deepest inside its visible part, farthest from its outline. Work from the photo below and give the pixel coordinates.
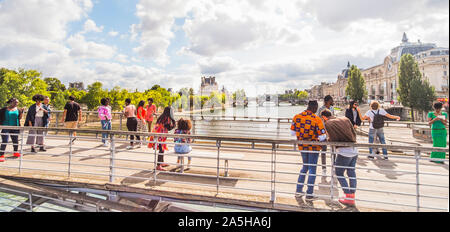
(417, 156)
(155, 144)
(272, 186)
(112, 151)
(218, 144)
(30, 199)
(333, 153)
(120, 123)
(57, 120)
(70, 150)
(21, 150)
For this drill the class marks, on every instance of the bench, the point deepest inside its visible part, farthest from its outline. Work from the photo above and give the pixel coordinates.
(200, 154)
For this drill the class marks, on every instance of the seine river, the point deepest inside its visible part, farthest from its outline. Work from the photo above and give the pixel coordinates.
(266, 110)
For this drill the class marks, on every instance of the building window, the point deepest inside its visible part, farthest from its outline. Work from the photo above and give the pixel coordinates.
(445, 73)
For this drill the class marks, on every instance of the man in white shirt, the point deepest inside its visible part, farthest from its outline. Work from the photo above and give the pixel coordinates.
(377, 132)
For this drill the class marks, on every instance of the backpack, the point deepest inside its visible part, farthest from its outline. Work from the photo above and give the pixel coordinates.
(378, 120)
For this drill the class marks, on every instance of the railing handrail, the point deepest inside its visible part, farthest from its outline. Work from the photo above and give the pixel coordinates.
(231, 138)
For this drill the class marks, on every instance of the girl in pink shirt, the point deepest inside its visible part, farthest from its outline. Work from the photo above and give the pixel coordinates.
(104, 113)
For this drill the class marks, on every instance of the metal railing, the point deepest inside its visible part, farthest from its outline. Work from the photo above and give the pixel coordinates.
(268, 168)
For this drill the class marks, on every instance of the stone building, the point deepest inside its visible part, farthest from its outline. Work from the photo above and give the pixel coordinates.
(208, 86)
(382, 80)
(433, 65)
(76, 85)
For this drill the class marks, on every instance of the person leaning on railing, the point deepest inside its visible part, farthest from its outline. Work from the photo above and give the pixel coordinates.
(164, 124)
(342, 130)
(10, 116)
(437, 120)
(376, 120)
(308, 127)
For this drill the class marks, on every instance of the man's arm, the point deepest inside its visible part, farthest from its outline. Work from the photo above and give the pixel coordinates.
(64, 116)
(392, 116)
(80, 112)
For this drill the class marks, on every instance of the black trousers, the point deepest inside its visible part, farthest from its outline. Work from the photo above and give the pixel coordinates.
(160, 156)
(5, 137)
(132, 124)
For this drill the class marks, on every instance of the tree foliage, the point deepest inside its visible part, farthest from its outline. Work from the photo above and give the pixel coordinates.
(24, 84)
(356, 87)
(414, 92)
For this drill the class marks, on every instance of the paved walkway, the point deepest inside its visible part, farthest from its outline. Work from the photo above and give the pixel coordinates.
(134, 169)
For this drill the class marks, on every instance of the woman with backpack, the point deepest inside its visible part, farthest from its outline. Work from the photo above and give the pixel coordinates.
(376, 119)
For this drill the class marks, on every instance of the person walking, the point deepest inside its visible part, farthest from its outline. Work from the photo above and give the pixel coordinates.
(376, 123)
(328, 104)
(308, 127)
(438, 120)
(10, 116)
(353, 113)
(72, 116)
(151, 111)
(164, 124)
(132, 122)
(37, 116)
(342, 130)
(104, 113)
(182, 145)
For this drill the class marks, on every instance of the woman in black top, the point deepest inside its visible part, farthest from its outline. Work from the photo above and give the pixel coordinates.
(353, 113)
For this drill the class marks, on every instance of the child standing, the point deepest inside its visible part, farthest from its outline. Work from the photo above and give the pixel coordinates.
(182, 145)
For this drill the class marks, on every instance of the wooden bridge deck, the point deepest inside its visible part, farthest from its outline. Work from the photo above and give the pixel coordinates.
(199, 183)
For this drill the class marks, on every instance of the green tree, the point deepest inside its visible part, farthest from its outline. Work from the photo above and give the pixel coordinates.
(412, 91)
(356, 86)
(302, 95)
(94, 95)
(54, 84)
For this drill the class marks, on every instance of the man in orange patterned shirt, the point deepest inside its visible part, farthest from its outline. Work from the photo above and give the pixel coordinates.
(308, 127)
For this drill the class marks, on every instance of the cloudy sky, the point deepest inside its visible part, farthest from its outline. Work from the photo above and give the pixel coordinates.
(259, 45)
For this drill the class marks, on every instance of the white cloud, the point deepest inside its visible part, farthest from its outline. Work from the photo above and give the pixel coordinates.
(113, 33)
(90, 25)
(40, 19)
(216, 65)
(89, 49)
(154, 30)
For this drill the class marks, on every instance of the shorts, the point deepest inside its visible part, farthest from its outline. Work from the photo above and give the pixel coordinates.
(71, 124)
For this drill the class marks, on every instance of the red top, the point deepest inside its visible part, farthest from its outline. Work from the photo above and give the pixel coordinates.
(141, 113)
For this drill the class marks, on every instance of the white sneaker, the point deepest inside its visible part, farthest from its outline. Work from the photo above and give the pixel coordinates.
(106, 144)
(129, 147)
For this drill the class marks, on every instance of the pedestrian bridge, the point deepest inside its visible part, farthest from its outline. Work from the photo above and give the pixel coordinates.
(238, 172)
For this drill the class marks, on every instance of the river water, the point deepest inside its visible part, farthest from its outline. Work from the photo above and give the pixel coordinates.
(253, 110)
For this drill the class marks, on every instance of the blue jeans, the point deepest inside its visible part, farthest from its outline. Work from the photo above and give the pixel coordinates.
(106, 125)
(183, 149)
(309, 165)
(380, 134)
(346, 164)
